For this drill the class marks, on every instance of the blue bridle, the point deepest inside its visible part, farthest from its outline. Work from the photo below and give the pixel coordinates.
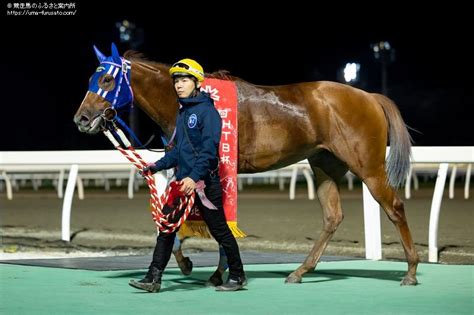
(120, 69)
(121, 96)
(121, 74)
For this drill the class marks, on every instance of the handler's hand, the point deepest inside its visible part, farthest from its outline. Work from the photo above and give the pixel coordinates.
(188, 185)
(151, 167)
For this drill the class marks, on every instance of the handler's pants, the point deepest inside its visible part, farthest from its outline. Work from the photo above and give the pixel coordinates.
(215, 220)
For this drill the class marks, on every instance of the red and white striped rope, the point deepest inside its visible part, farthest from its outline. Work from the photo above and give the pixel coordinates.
(157, 203)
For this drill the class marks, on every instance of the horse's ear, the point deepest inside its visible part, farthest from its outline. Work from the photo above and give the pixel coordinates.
(115, 52)
(99, 55)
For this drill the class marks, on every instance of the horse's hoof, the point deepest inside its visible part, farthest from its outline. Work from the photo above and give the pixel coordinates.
(215, 280)
(407, 280)
(186, 266)
(292, 278)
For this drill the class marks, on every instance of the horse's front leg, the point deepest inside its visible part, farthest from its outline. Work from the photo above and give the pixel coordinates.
(328, 195)
(184, 263)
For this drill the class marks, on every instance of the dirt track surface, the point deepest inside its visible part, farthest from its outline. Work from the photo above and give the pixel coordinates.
(109, 222)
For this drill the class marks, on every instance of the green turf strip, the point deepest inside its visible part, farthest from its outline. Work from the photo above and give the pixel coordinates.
(348, 287)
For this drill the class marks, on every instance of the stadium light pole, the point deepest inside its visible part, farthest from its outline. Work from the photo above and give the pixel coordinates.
(385, 54)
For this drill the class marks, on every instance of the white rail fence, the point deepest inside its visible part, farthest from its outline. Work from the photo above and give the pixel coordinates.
(73, 162)
(82, 162)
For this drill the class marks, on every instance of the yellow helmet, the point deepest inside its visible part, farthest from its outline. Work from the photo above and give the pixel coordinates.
(189, 67)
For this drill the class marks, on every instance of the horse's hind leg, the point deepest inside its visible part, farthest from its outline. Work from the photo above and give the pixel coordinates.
(393, 207)
(216, 278)
(186, 265)
(328, 171)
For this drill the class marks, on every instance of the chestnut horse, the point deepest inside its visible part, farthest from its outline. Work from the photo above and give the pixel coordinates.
(335, 126)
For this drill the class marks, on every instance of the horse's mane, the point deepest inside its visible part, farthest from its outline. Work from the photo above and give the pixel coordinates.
(136, 56)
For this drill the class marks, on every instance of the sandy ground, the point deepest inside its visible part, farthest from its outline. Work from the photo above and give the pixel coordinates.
(107, 223)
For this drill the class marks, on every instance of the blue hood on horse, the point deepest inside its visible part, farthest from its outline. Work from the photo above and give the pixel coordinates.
(111, 79)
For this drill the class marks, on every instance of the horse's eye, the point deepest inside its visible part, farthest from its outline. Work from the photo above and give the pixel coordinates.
(107, 82)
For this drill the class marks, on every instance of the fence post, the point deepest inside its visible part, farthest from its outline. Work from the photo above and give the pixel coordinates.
(67, 203)
(373, 241)
(434, 212)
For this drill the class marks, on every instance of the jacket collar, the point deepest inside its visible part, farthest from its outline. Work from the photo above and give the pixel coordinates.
(202, 97)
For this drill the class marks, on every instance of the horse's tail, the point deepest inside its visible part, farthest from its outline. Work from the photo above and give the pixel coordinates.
(398, 161)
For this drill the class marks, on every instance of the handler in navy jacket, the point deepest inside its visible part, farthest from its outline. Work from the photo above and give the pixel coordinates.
(198, 133)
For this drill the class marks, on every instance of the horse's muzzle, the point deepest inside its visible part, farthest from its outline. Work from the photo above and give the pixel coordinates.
(90, 126)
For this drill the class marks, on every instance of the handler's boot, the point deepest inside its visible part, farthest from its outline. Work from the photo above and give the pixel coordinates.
(151, 282)
(233, 284)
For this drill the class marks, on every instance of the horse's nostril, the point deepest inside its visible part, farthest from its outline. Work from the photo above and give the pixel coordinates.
(84, 121)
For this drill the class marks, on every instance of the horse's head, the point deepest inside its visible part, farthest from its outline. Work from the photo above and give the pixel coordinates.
(109, 89)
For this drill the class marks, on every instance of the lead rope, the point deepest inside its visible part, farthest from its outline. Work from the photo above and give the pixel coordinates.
(157, 204)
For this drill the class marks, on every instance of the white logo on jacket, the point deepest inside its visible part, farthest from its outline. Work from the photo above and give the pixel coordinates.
(192, 121)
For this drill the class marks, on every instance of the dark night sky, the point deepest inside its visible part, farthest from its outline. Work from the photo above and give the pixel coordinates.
(46, 61)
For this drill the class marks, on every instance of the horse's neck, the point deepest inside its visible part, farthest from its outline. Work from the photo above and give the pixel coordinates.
(154, 94)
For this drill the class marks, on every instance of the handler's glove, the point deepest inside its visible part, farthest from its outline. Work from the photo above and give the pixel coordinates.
(151, 167)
